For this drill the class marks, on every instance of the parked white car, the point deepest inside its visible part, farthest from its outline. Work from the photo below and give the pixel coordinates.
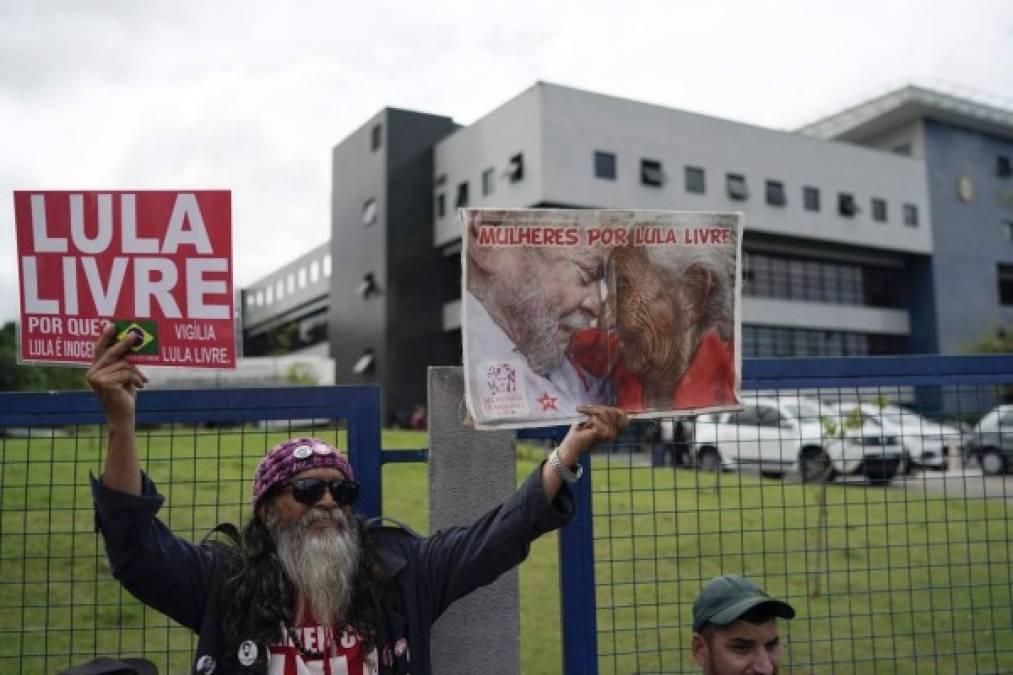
(791, 434)
(927, 443)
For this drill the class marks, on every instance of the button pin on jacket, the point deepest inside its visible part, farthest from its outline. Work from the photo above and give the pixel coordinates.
(248, 653)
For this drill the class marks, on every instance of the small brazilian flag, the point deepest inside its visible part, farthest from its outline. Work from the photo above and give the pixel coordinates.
(146, 330)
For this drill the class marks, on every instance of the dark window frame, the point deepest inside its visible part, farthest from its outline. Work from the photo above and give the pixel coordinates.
(441, 205)
(737, 187)
(376, 137)
(463, 195)
(488, 181)
(775, 194)
(811, 198)
(695, 179)
(1004, 274)
(651, 173)
(515, 172)
(605, 165)
(879, 210)
(911, 215)
(847, 207)
(1003, 166)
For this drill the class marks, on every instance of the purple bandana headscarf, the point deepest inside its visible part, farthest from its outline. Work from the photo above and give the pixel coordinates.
(292, 457)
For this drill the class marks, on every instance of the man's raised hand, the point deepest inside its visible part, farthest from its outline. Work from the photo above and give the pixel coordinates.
(114, 380)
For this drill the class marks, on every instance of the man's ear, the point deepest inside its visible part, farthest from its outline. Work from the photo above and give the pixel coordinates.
(699, 284)
(699, 648)
(480, 256)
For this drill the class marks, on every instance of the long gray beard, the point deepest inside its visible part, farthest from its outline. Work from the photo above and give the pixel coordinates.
(543, 352)
(320, 565)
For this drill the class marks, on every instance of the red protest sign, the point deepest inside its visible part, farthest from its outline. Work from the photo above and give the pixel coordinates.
(159, 263)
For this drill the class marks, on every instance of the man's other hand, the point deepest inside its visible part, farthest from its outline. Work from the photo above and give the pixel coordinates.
(603, 424)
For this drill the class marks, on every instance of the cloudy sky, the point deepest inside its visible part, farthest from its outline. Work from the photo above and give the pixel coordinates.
(252, 95)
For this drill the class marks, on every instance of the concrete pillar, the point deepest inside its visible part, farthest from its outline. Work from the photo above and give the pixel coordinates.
(470, 472)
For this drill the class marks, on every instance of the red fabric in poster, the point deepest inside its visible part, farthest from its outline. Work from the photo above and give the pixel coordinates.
(709, 380)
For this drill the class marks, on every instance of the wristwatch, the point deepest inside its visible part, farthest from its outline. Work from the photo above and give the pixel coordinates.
(568, 475)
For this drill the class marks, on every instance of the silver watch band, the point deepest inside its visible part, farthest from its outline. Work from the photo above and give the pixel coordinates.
(567, 475)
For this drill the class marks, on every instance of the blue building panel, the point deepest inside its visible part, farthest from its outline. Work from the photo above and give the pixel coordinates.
(970, 202)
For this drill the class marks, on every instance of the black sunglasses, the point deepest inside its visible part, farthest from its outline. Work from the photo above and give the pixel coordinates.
(309, 490)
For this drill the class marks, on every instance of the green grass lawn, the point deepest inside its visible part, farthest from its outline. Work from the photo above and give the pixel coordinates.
(895, 582)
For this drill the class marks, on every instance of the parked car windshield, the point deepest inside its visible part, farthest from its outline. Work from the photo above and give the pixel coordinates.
(803, 409)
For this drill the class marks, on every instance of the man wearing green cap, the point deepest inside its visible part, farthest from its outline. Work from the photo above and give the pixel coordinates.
(735, 628)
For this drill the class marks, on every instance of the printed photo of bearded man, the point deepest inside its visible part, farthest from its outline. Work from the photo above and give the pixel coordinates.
(523, 305)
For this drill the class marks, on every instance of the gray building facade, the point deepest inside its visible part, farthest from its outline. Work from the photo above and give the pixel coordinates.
(885, 229)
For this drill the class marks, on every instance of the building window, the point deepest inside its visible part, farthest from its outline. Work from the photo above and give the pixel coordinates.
(314, 271)
(291, 283)
(462, 194)
(1007, 230)
(327, 265)
(365, 363)
(1005, 284)
(736, 184)
(696, 180)
(441, 205)
(902, 149)
(375, 137)
(775, 193)
(279, 289)
(440, 181)
(651, 173)
(846, 205)
(604, 165)
(369, 212)
(811, 198)
(911, 215)
(515, 171)
(773, 276)
(367, 286)
(269, 295)
(1003, 167)
(260, 298)
(879, 210)
(488, 182)
(302, 277)
(766, 341)
(250, 300)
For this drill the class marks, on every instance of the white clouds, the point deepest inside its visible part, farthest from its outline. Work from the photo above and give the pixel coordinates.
(252, 96)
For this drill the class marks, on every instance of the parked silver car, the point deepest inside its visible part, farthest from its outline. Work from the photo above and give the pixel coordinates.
(990, 442)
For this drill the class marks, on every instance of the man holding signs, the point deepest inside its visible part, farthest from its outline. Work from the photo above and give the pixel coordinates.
(310, 587)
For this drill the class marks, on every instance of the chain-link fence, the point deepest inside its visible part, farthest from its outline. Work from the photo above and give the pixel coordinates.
(59, 604)
(881, 513)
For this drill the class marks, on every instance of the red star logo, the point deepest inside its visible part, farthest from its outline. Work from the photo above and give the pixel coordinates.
(548, 402)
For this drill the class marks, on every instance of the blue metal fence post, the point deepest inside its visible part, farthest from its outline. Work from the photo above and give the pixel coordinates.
(364, 451)
(576, 557)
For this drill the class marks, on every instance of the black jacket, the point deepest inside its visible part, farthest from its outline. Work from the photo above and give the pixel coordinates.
(182, 579)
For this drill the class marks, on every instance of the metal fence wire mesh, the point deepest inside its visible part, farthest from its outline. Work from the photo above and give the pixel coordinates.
(59, 604)
(879, 525)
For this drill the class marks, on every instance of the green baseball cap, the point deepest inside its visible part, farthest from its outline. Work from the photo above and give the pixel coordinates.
(724, 599)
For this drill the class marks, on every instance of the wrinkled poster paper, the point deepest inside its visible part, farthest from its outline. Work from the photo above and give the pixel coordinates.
(637, 309)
